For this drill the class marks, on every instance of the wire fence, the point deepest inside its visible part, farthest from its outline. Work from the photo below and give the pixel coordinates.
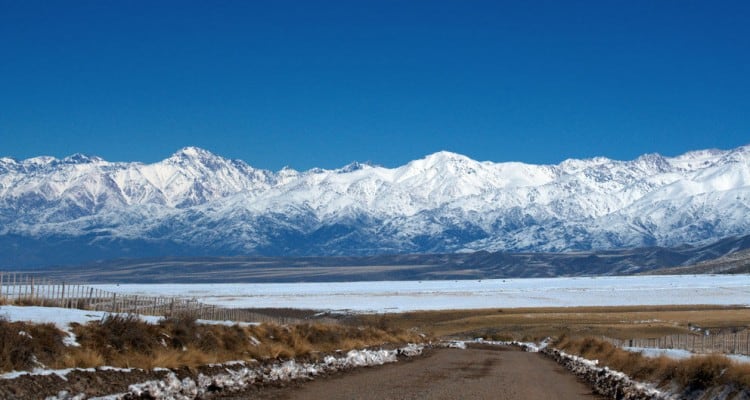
(31, 289)
(722, 341)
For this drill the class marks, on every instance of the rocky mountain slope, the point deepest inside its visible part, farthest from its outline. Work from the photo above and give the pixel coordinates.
(195, 203)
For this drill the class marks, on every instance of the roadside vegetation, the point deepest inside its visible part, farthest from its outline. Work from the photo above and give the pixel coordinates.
(122, 340)
(694, 373)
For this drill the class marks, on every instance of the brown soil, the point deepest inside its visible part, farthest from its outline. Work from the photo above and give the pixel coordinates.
(98, 383)
(487, 372)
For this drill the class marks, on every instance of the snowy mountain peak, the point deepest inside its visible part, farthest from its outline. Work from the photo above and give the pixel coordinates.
(574, 165)
(443, 202)
(445, 157)
(194, 155)
(79, 158)
(193, 152)
(442, 162)
(39, 161)
(353, 166)
(654, 162)
(740, 154)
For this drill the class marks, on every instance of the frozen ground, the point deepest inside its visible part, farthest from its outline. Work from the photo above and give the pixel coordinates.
(438, 295)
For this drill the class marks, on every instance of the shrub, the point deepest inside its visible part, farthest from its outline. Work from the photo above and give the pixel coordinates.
(118, 333)
(24, 345)
(702, 372)
(182, 328)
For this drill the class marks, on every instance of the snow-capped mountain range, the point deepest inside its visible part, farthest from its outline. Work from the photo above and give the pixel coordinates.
(197, 203)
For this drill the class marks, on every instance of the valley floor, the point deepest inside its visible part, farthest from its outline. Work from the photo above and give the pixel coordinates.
(401, 296)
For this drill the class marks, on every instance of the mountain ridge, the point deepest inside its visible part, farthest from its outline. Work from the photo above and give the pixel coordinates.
(729, 255)
(198, 203)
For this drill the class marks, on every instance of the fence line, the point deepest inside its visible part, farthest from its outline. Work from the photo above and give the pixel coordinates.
(31, 289)
(725, 342)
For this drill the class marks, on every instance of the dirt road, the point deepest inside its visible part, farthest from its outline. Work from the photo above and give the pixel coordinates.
(489, 372)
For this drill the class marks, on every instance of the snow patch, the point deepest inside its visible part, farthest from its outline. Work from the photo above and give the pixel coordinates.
(679, 354)
(455, 344)
(62, 373)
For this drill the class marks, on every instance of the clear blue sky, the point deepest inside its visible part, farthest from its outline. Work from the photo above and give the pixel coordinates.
(322, 83)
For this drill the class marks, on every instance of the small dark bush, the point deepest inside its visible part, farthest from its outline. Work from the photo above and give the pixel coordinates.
(234, 337)
(702, 372)
(25, 346)
(119, 333)
(319, 334)
(182, 328)
(208, 342)
(16, 350)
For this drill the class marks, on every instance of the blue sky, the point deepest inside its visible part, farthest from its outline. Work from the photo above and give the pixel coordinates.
(322, 83)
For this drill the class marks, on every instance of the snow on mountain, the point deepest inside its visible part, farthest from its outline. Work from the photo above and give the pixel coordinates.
(443, 202)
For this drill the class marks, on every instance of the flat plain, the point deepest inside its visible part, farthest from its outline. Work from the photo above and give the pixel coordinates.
(403, 296)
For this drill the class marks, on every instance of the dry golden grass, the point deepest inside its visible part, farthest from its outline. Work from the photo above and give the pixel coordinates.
(695, 373)
(81, 358)
(126, 341)
(165, 358)
(535, 323)
(22, 301)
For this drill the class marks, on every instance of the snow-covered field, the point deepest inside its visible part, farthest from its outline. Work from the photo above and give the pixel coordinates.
(437, 295)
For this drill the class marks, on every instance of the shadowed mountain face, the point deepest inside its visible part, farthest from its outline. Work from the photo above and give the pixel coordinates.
(478, 265)
(194, 203)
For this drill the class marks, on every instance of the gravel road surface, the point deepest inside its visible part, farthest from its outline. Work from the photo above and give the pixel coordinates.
(480, 372)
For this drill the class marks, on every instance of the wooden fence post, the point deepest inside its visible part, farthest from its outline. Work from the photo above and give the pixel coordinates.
(41, 293)
(62, 295)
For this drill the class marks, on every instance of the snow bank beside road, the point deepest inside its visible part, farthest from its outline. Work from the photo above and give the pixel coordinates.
(171, 387)
(610, 383)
